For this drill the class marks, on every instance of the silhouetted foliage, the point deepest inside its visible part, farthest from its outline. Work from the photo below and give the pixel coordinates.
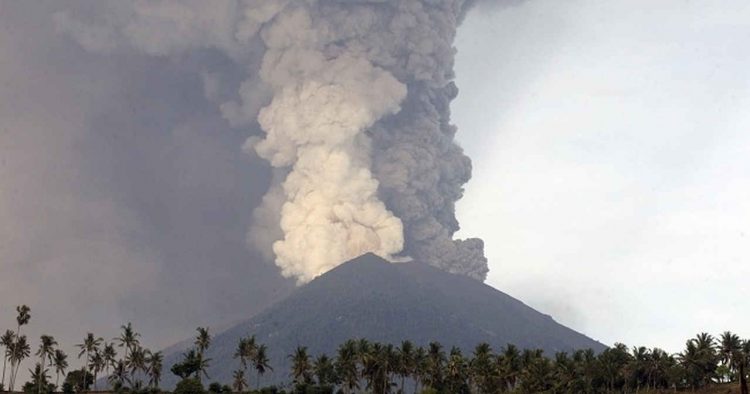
(360, 365)
(189, 386)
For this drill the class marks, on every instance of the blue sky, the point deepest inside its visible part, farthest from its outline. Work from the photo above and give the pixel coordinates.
(612, 162)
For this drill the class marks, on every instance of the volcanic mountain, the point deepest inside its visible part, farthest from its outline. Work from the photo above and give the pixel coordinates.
(371, 298)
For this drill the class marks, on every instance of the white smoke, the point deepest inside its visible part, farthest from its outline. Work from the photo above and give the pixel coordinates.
(352, 98)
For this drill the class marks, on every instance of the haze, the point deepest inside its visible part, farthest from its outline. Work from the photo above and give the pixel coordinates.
(610, 174)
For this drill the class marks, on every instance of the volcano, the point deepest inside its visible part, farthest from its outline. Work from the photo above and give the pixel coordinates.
(372, 298)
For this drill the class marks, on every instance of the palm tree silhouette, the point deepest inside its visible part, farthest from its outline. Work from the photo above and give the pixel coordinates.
(239, 384)
(60, 361)
(109, 354)
(97, 365)
(300, 365)
(481, 367)
(155, 361)
(23, 318)
(128, 339)
(90, 345)
(39, 375)
(6, 341)
(246, 349)
(323, 370)
(346, 366)
(260, 361)
(21, 350)
(46, 352)
(420, 368)
(203, 340)
(119, 375)
(136, 361)
(405, 362)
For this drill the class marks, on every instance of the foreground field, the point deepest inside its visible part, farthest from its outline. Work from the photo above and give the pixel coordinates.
(727, 388)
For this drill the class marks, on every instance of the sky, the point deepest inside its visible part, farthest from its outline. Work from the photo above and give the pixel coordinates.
(124, 195)
(611, 156)
(610, 174)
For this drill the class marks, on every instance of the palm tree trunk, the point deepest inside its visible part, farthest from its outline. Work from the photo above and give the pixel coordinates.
(743, 379)
(13, 367)
(39, 378)
(5, 360)
(15, 374)
(85, 370)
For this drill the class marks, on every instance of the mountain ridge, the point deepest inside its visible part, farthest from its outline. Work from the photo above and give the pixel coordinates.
(371, 298)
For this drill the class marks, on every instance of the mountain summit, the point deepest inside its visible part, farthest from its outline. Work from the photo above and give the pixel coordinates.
(371, 298)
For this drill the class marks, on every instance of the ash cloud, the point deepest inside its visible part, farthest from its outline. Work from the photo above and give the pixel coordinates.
(123, 194)
(352, 100)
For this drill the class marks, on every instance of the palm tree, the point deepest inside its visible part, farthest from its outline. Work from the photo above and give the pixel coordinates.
(661, 364)
(90, 345)
(699, 360)
(128, 339)
(369, 356)
(420, 367)
(565, 377)
(239, 384)
(691, 363)
(21, 350)
(730, 347)
(203, 340)
(613, 360)
(323, 370)
(743, 365)
(377, 366)
(482, 368)
(6, 341)
(346, 366)
(60, 361)
(509, 366)
(97, 364)
(456, 374)
(637, 369)
(39, 375)
(363, 349)
(435, 363)
(300, 365)
(405, 366)
(109, 354)
(537, 372)
(246, 351)
(136, 361)
(155, 361)
(23, 318)
(260, 362)
(46, 352)
(119, 375)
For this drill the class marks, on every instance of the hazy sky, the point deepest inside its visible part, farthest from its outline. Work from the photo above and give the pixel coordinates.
(124, 195)
(610, 183)
(612, 162)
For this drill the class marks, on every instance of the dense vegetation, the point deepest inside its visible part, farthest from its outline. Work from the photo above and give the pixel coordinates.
(363, 366)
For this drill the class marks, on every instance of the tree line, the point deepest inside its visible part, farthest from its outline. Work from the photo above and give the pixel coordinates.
(359, 365)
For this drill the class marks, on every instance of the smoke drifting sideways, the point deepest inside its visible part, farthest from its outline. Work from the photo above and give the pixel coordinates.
(353, 100)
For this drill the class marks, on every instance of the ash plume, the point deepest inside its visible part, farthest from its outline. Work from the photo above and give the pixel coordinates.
(349, 103)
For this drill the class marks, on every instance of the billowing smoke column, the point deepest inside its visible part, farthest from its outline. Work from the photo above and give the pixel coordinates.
(353, 101)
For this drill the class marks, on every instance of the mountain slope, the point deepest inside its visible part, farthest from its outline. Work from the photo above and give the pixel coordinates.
(371, 298)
